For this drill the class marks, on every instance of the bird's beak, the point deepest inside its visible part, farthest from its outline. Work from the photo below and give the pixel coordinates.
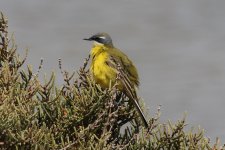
(89, 39)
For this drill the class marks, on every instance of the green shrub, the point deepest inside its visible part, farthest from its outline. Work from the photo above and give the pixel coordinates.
(78, 115)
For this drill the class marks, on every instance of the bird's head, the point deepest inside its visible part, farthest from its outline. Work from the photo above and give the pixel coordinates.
(101, 38)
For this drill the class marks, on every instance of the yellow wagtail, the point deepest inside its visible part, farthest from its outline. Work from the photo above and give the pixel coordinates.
(107, 62)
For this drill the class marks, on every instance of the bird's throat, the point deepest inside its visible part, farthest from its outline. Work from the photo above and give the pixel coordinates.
(96, 50)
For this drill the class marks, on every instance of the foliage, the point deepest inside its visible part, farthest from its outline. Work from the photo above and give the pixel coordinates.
(79, 115)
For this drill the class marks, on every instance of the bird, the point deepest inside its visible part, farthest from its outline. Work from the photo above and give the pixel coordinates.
(107, 62)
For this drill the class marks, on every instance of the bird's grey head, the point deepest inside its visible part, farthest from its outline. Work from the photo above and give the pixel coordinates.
(102, 38)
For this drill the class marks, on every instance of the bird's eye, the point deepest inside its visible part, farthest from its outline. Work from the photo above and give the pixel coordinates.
(99, 40)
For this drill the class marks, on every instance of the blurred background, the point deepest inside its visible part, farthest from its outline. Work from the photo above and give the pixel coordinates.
(177, 46)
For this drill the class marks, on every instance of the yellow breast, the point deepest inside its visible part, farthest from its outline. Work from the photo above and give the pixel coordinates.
(103, 74)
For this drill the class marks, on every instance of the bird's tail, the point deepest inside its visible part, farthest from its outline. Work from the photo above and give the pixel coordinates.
(132, 95)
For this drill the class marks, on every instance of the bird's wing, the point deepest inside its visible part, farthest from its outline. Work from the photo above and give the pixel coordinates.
(126, 64)
(122, 64)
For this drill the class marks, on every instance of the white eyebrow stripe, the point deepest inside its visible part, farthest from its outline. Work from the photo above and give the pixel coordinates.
(102, 37)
